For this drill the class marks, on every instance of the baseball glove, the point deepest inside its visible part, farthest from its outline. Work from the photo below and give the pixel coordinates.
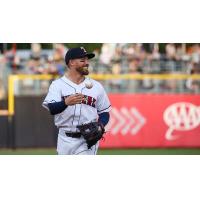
(92, 132)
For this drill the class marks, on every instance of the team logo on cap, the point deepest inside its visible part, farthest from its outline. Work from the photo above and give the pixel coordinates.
(83, 49)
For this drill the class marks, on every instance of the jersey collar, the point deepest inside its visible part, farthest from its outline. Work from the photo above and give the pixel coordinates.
(68, 81)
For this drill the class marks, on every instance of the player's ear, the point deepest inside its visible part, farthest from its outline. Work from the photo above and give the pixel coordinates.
(70, 63)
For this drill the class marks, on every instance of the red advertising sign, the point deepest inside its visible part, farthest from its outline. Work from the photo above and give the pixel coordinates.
(153, 120)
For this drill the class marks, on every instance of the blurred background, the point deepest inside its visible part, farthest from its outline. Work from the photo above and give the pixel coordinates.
(154, 89)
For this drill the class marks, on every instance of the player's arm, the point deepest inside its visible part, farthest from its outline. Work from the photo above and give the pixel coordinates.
(58, 107)
(103, 106)
(104, 118)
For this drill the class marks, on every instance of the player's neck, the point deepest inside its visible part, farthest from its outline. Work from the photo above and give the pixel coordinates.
(76, 78)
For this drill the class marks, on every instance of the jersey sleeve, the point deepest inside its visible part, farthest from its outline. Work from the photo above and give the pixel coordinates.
(103, 102)
(54, 95)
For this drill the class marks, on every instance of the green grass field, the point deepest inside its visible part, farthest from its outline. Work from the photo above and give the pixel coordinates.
(51, 151)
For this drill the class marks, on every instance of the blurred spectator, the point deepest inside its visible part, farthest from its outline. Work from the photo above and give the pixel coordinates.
(38, 66)
(129, 51)
(56, 63)
(170, 57)
(116, 84)
(118, 58)
(170, 51)
(5, 71)
(107, 53)
(181, 52)
(151, 60)
(2, 71)
(94, 63)
(195, 53)
(191, 84)
(155, 55)
(134, 68)
(30, 67)
(13, 62)
(60, 50)
(35, 51)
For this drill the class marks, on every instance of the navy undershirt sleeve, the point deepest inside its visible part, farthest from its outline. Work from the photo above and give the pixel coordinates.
(57, 107)
(104, 118)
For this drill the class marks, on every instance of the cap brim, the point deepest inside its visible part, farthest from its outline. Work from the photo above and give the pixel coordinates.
(90, 55)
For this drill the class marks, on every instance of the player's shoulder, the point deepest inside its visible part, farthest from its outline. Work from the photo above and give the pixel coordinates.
(56, 83)
(95, 81)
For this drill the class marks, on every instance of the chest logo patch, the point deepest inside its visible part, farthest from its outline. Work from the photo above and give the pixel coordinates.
(88, 100)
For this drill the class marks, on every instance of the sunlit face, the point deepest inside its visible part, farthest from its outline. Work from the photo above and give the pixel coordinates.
(81, 65)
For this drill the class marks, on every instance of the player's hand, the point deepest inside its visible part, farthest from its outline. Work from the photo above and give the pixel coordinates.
(74, 99)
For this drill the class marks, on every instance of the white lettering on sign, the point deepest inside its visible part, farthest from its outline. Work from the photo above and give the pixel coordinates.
(125, 120)
(181, 116)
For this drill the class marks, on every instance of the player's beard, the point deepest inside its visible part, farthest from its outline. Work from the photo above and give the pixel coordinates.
(83, 70)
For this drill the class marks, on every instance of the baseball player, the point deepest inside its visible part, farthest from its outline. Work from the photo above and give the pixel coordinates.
(80, 106)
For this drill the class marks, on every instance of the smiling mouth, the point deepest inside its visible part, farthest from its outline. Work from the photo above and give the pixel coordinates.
(85, 67)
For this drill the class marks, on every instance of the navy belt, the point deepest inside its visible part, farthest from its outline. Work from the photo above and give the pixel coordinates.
(73, 135)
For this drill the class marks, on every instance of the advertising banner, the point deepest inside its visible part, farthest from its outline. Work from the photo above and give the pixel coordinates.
(153, 120)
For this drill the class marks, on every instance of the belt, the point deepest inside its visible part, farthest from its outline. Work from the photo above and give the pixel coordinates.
(73, 135)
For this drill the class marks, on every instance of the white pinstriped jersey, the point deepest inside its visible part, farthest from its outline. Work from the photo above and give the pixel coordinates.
(95, 102)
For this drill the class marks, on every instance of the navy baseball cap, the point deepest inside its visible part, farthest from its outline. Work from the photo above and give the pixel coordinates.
(79, 52)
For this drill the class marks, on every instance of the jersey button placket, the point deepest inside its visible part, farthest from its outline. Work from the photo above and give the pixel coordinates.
(78, 110)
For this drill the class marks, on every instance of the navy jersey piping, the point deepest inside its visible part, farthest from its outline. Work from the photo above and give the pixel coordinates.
(104, 109)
